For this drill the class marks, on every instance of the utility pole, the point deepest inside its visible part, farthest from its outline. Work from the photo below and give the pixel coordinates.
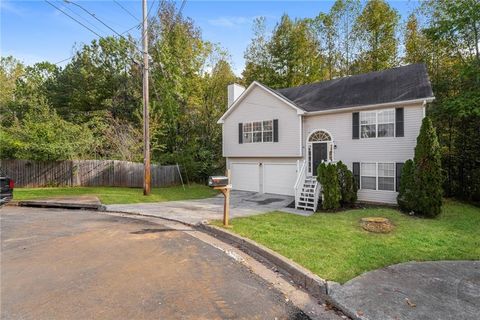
(146, 128)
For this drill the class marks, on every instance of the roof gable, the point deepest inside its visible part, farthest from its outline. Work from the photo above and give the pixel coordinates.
(266, 89)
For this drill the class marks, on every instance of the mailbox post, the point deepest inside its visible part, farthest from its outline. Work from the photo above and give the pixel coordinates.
(222, 183)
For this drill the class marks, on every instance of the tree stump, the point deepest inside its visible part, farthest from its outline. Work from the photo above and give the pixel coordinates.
(376, 224)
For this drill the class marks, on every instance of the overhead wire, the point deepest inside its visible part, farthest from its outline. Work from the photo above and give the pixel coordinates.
(127, 11)
(82, 24)
(99, 20)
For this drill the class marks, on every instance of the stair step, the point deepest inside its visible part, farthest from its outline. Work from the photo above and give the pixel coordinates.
(306, 204)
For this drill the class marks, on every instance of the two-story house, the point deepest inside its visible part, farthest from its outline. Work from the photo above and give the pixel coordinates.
(273, 140)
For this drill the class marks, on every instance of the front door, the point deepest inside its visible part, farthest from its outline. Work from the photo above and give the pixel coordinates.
(319, 154)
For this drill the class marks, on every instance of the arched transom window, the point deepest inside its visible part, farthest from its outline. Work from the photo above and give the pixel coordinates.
(319, 136)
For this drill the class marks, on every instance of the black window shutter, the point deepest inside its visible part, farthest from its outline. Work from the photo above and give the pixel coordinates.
(355, 125)
(399, 122)
(398, 174)
(240, 133)
(356, 173)
(275, 130)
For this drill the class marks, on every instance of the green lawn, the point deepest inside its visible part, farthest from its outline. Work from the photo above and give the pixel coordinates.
(111, 195)
(335, 247)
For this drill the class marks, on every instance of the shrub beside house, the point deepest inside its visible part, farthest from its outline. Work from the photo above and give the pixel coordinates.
(421, 181)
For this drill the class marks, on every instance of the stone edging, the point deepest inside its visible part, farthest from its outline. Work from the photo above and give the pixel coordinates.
(304, 278)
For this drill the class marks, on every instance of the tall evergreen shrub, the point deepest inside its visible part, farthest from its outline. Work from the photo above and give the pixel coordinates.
(328, 177)
(348, 187)
(406, 193)
(428, 177)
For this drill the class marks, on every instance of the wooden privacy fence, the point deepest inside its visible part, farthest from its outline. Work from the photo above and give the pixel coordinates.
(86, 173)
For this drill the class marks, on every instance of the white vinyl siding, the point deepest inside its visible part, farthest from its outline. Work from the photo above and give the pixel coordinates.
(261, 105)
(383, 150)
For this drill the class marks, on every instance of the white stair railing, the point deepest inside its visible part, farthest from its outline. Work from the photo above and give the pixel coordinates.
(318, 189)
(299, 183)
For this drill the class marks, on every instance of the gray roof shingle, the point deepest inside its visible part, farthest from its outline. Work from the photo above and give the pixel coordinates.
(393, 85)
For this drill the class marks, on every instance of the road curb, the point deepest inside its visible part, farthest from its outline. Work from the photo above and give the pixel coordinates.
(63, 205)
(304, 278)
(149, 216)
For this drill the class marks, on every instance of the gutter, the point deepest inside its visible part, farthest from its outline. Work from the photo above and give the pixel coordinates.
(371, 106)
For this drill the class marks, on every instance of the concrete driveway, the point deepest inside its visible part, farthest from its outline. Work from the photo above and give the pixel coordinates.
(437, 290)
(61, 264)
(242, 203)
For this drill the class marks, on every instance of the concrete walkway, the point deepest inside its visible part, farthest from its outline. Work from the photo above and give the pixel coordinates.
(242, 203)
(426, 290)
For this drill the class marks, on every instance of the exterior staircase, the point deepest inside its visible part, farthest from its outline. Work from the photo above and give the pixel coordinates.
(308, 197)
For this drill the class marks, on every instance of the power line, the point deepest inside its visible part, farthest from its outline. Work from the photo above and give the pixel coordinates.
(64, 60)
(127, 11)
(80, 17)
(135, 26)
(103, 23)
(72, 18)
(94, 16)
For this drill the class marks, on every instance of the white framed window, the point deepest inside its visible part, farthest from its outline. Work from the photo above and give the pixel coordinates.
(377, 124)
(377, 176)
(258, 131)
(368, 175)
(368, 124)
(267, 131)
(386, 176)
(386, 123)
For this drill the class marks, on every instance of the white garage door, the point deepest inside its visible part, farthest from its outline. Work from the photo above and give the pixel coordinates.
(245, 176)
(279, 178)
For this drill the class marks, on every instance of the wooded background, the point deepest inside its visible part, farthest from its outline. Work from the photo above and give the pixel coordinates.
(91, 107)
(86, 173)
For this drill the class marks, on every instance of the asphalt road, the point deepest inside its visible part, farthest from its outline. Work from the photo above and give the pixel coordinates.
(69, 264)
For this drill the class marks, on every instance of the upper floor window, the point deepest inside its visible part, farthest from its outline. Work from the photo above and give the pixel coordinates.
(258, 131)
(378, 123)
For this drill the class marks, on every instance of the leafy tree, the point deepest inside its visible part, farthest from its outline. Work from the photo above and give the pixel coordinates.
(11, 70)
(290, 57)
(337, 39)
(102, 77)
(327, 175)
(348, 187)
(451, 29)
(377, 27)
(328, 32)
(428, 176)
(43, 135)
(257, 57)
(406, 194)
(345, 13)
(416, 43)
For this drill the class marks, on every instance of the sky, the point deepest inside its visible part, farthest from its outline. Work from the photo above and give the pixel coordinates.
(33, 31)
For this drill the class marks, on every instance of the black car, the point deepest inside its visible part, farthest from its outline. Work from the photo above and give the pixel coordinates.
(6, 189)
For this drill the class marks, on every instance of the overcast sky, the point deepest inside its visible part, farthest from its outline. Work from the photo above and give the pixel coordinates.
(33, 31)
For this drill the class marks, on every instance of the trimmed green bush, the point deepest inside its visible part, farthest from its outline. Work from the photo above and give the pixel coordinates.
(348, 187)
(428, 176)
(328, 177)
(406, 192)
